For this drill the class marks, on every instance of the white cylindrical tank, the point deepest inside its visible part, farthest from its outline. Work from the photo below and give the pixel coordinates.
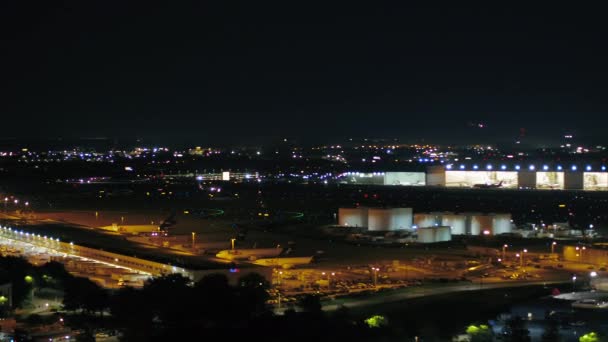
(434, 234)
(401, 218)
(501, 223)
(443, 233)
(426, 235)
(426, 220)
(378, 219)
(478, 223)
(352, 217)
(456, 221)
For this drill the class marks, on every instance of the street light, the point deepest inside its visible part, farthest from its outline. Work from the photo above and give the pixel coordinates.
(193, 240)
(521, 257)
(375, 274)
(579, 251)
(553, 247)
(504, 250)
(232, 242)
(573, 282)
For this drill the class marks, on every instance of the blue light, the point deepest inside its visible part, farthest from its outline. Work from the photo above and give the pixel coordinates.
(559, 167)
(573, 168)
(449, 166)
(545, 167)
(603, 168)
(503, 167)
(475, 167)
(517, 167)
(588, 168)
(489, 167)
(462, 167)
(531, 167)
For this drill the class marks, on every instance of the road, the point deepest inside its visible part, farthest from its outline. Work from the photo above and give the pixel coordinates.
(421, 291)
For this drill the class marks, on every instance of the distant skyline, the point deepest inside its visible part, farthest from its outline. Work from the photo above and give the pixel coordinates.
(217, 73)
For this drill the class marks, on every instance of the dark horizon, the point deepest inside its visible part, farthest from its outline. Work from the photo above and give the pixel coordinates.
(213, 73)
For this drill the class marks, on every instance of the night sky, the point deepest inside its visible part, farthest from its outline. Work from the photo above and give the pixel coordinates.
(215, 72)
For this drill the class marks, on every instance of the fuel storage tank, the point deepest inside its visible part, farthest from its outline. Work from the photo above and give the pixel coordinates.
(478, 223)
(427, 220)
(458, 222)
(401, 218)
(379, 219)
(433, 234)
(501, 223)
(352, 217)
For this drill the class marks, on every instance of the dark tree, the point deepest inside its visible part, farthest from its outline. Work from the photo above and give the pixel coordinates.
(53, 274)
(251, 295)
(20, 274)
(132, 313)
(309, 303)
(516, 330)
(84, 294)
(170, 298)
(551, 333)
(214, 297)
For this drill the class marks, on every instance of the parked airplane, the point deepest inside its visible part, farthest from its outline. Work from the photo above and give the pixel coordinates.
(488, 186)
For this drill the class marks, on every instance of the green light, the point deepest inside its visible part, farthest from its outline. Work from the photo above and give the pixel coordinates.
(590, 337)
(479, 332)
(29, 279)
(295, 214)
(376, 321)
(3, 300)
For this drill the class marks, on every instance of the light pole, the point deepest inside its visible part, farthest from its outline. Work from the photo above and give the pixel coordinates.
(193, 240)
(579, 252)
(521, 257)
(504, 251)
(375, 275)
(592, 275)
(582, 249)
(573, 282)
(553, 247)
(232, 242)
